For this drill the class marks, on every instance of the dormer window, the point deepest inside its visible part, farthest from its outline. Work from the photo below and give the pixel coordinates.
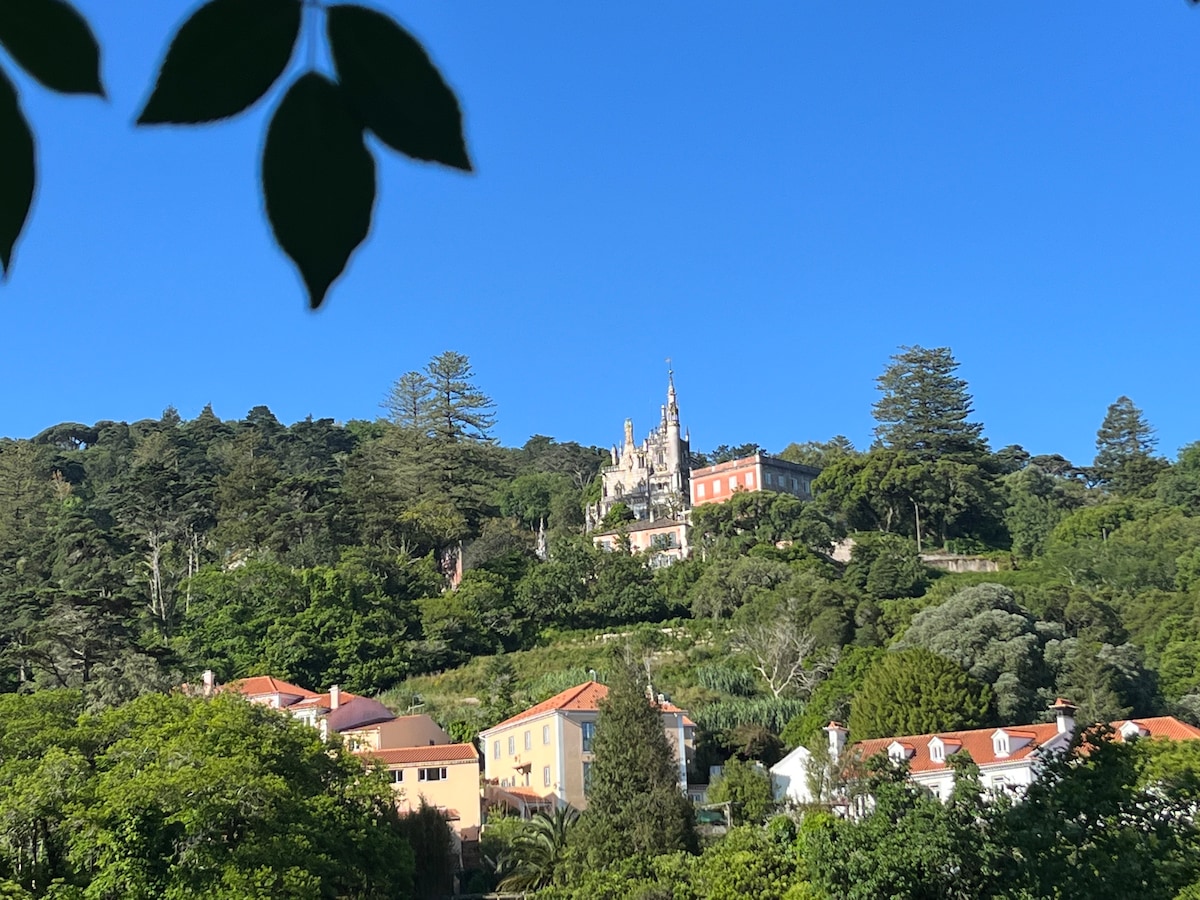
(1001, 746)
(1131, 730)
(898, 752)
(937, 750)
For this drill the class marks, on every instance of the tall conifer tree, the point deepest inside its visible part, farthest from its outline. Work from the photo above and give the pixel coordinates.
(1124, 449)
(635, 805)
(925, 407)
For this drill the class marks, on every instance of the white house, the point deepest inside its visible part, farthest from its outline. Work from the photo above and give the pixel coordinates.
(1007, 757)
(789, 777)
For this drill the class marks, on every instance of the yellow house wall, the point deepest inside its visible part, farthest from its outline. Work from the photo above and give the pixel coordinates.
(510, 767)
(566, 767)
(458, 791)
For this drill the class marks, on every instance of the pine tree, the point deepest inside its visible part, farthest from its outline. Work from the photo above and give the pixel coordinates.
(458, 410)
(634, 801)
(925, 407)
(407, 402)
(1124, 450)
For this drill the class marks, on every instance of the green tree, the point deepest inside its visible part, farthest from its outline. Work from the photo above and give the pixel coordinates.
(635, 804)
(169, 796)
(925, 407)
(917, 692)
(1125, 461)
(427, 831)
(747, 787)
(910, 845)
(818, 454)
(1180, 484)
(535, 855)
(1037, 501)
(886, 566)
(995, 640)
(457, 409)
(1091, 827)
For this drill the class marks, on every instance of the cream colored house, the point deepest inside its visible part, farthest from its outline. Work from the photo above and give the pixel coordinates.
(402, 731)
(443, 775)
(544, 755)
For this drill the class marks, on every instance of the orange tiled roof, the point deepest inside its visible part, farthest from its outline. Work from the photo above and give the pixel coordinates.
(1166, 727)
(977, 742)
(584, 696)
(259, 685)
(437, 753)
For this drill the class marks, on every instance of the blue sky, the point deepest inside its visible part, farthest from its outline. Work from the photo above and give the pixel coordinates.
(775, 195)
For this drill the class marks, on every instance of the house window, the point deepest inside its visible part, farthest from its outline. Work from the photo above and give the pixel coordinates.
(587, 777)
(395, 776)
(512, 745)
(589, 735)
(528, 740)
(434, 774)
(732, 482)
(700, 490)
(545, 734)
(496, 748)
(749, 479)
(546, 776)
(717, 487)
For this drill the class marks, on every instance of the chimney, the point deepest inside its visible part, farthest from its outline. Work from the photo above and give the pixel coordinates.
(335, 697)
(837, 739)
(208, 682)
(1064, 715)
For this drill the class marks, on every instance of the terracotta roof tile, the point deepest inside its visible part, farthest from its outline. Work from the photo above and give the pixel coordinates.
(437, 753)
(1166, 727)
(260, 685)
(977, 742)
(586, 696)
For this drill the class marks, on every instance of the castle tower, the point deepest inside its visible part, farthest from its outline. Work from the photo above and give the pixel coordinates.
(650, 479)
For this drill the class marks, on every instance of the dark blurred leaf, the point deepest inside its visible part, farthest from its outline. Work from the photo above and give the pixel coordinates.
(224, 58)
(319, 181)
(395, 87)
(17, 172)
(53, 43)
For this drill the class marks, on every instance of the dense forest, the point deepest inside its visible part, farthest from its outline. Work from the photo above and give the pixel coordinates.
(135, 555)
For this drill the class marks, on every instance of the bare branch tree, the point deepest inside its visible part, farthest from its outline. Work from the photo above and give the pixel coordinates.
(784, 654)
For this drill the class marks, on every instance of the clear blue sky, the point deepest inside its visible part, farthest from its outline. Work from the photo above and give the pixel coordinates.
(776, 195)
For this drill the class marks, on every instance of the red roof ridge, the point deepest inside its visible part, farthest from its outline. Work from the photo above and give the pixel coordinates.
(562, 700)
(434, 753)
(254, 685)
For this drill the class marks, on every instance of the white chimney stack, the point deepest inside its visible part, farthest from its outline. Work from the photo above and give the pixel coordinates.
(335, 697)
(1064, 716)
(208, 682)
(837, 739)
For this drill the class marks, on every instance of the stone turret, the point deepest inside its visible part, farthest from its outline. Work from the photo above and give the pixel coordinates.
(651, 479)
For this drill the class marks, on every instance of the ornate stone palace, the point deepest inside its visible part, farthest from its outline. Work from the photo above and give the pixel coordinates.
(651, 479)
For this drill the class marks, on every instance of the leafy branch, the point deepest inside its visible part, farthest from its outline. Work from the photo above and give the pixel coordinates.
(318, 177)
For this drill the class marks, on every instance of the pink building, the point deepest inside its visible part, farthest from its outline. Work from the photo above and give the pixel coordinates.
(760, 472)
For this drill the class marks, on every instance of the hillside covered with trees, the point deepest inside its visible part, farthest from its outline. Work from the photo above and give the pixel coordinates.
(135, 555)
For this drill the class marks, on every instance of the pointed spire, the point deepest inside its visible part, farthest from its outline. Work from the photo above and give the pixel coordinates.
(672, 410)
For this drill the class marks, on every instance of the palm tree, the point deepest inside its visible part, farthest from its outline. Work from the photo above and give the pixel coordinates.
(535, 854)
